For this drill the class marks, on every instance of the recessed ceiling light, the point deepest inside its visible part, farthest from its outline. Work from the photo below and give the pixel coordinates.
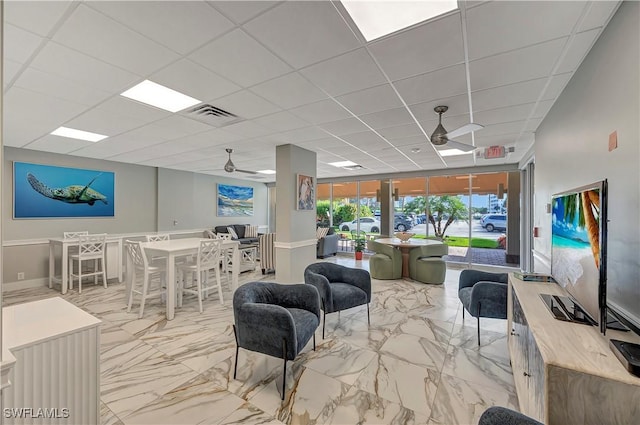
(266, 171)
(452, 152)
(78, 134)
(343, 164)
(160, 96)
(378, 18)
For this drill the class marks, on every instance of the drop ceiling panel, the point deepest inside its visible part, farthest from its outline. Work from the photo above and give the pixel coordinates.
(388, 118)
(35, 16)
(246, 104)
(96, 35)
(366, 141)
(172, 127)
(163, 21)
(525, 64)
(64, 62)
(439, 84)
(321, 112)
(289, 91)
(419, 141)
(58, 144)
(542, 108)
(346, 73)
(127, 110)
(491, 140)
(400, 132)
(194, 80)
(457, 105)
(20, 127)
(504, 128)
(246, 62)
(9, 71)
(61, 88)
(598, 14)
(303, 33)
(242, 11)
(302, 135)
(248, 129)
(518, 24)
(556, 85)
(342, 127)
(19, 44)
(428, 47)
(578, 49)
(370, 100)
(281, 121)
(508, 95)
(502, 115)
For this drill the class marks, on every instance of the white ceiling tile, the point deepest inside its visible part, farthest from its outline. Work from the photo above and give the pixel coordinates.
(289, 91)
(303, 33)
(371, 100)
(19, 44)
(428, 47)
(20, 108)
(164, 21)
(524, 64)
(57, 144)
(502, 115)
(97, 35)
(9, 70)
(508, 95)
(366, 141)
(450, 123)
(248, 129)
(36, 16)
(400, 131)
(246, 105)
(242, 11)
(517, 24)
(321, 112)
(388, 118)
(281, 121)
(346, 73)
(55, 86)
(173, 127)
(598, 14)
(64, 62)
(302, 135)
(577, 50)
(194, 80)
(457, 105)
(328, 143)
(502, 129)
(240, 58)
(127, 109)
(483, 140)
(341, 127)
(542, 108)
(439, 84)
(410, 141)
(556, 85)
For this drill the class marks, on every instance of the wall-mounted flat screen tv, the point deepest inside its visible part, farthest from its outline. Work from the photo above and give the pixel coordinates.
(579, 245)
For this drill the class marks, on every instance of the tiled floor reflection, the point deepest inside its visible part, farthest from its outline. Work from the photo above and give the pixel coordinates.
(417, 363)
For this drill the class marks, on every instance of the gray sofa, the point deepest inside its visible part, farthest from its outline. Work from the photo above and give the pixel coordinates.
(240, 230)
(328, 245)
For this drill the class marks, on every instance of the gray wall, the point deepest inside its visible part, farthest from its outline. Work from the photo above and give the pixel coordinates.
(147, 200)
(571, 149)
(190, 200)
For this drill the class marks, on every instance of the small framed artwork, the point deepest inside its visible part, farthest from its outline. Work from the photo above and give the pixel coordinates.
(306, 192)
(48, 191)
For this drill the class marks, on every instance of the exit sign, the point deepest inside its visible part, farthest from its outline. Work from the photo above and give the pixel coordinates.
(493, 152)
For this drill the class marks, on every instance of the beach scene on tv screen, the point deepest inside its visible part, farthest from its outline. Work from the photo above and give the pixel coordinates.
(576, 246)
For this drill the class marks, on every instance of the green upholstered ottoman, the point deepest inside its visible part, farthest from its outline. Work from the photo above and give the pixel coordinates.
(430, 270)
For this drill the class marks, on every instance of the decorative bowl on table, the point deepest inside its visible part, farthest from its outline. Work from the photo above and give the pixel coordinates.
(404, 236)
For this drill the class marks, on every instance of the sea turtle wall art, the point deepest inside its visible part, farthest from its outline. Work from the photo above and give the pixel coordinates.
(45, 191)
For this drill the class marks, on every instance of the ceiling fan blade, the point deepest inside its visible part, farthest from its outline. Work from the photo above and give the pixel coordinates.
(460, 146)
(246, 171)
(465, 129)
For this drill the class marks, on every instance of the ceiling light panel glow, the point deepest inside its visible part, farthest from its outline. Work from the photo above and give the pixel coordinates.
(452, 152)
(343, 164)
(72, 133)
(160, 96)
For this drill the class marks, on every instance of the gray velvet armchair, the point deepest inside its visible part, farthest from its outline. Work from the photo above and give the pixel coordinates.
(274, 319)
(339, 287)
(497, 415)
(483, 294)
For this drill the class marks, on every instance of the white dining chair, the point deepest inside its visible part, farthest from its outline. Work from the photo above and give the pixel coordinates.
(149, 275)
(160, 237)
(226, 255)
(90, 248)
(73, 235)
(207, 260)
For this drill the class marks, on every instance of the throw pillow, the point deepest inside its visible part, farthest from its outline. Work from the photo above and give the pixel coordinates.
(232, 232)
(251, 232)
(321, 232)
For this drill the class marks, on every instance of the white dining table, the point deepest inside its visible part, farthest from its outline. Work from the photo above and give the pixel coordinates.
(65, 243)
(174, 248)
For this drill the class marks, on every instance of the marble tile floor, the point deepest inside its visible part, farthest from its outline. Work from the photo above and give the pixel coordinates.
(418, 362)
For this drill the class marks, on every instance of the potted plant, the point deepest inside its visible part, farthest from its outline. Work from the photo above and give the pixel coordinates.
(359, 247)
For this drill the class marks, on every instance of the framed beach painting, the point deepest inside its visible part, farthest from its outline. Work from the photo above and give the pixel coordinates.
(48, 191)
(234, 200)
(306, 192)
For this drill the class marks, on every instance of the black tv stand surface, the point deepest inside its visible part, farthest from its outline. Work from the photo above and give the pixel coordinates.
(565, 309)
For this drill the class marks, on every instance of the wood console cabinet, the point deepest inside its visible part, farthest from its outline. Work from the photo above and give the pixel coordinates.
(564, 372)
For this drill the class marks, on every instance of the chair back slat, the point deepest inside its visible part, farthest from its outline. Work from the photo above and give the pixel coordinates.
(91, 245)
(209, 253)
(155, 238)
(74, 235)
(136, 254)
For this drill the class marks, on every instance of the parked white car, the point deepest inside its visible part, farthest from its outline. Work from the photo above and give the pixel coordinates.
(368, 224)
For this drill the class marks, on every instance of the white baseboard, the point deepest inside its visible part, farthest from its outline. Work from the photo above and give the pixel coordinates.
(24, 284)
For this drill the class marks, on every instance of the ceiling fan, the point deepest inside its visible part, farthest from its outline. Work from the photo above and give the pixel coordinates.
(230, 167)
(441, 137)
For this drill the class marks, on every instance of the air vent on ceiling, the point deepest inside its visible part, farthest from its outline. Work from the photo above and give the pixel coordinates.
(354, 167)
(212, 115)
